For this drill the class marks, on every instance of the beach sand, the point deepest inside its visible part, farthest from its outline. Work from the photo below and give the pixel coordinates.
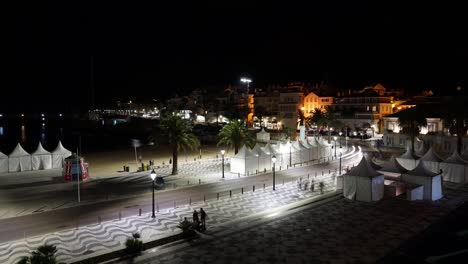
(108, 164)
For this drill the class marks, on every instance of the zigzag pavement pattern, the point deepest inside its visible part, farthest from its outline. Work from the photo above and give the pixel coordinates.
(107, 235)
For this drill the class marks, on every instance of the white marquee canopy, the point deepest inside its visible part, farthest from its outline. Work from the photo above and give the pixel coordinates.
(363, 183)
(431, 181)
(455, 169)
(41, 159)
(408, 160)
(19, 160)
(59, 155)
(3, 163)
(431, 160)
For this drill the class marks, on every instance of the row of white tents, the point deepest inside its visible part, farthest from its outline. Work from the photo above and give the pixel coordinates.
(259, 158)
(366, 183)
(454, 168)
(40, 159)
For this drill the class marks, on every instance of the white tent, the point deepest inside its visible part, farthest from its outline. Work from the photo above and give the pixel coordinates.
(263, 159)
(431, 160)
(3, 163)
(41, 159)
(419, 147)
(392, 168)
(263, 136)
(295, 152)
(19, 160)
(325, 149)
(306, 145)
(363, 183)
(58, 155)
(455, 169)
(314, 149)
(289, 154)
(302, 153)
(408, 160)
(244, 162)
(269, 150)
(431, 181)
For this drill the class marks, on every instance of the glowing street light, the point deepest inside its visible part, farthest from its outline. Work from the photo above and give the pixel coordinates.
(246, 81)
(153, 177)
(273, 159)
(335, 144)
(222, 156)
(341, 133)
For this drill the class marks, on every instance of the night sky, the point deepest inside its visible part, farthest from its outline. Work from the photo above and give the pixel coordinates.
(154, 50)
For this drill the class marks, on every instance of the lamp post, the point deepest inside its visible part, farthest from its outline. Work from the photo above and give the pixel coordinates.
(340, 164)
(153, 177)
(341, 133)
(247, 81)
(222, 157)
(335, 144)
(290, 159)
(273, 159)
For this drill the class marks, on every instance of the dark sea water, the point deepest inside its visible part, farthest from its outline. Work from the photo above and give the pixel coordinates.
(89, 136)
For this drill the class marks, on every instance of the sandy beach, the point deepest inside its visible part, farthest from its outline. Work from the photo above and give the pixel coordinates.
(110, 163)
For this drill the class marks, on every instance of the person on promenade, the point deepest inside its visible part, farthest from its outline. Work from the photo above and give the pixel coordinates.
(196, 221)
(203, 218)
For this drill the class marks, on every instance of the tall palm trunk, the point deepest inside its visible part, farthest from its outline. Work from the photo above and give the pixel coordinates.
(329, 135)
(175, 154)
(236, 148)
(412, 135)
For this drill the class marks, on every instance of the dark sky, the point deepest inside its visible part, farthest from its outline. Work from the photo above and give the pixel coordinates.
(154, 50)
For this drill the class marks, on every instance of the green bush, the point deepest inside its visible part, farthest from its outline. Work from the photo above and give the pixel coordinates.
(133, 245)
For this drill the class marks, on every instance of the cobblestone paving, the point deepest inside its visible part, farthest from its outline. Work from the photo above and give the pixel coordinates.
(89, 239)
(341, 231)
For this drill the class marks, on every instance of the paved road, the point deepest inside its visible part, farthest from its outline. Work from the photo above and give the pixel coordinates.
(55, 220)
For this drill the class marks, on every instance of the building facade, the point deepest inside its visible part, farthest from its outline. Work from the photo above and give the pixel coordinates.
(313, 101)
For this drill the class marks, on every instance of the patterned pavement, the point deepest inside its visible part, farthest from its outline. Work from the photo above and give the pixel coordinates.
(89, 239)
(340, 231)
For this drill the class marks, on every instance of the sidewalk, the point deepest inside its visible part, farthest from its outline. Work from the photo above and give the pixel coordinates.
(338, 231)
(107, 235)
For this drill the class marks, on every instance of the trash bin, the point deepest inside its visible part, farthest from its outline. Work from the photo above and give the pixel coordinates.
(128, 168)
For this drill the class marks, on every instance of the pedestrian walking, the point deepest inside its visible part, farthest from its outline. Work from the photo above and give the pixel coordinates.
(196, 221)
(203, 218)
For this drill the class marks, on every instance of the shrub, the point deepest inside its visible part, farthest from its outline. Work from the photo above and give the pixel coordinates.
(133, 245)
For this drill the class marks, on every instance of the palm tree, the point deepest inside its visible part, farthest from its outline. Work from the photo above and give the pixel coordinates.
(177, 133)
(410, 121)
(317, 118)
(235, 134)
(320, 118)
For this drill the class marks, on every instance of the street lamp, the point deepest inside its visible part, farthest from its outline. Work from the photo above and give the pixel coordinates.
(153, 177)
(341, 133)
(335, 144)
(340, 164)
(247, 81)
(273, 159)
(222, 156)
(290, 159)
